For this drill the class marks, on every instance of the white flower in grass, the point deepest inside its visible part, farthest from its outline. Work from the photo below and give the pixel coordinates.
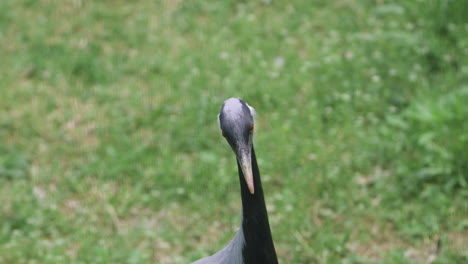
(376, 78)
(279, 62)
(224, 55)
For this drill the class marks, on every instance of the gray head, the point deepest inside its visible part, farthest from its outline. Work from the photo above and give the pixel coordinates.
(236, 121)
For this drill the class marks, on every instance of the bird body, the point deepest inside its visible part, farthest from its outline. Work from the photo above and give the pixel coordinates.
(231, 254)
(253, 243)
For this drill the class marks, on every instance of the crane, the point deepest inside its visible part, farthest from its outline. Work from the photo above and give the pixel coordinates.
(253, 243)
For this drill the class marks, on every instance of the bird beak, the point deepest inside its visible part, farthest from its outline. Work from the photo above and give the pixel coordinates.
(245, 161)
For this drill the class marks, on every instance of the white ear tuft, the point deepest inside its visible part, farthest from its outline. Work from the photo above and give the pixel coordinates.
(252, 110)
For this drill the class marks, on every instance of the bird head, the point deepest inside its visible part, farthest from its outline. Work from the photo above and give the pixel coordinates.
(236, 121)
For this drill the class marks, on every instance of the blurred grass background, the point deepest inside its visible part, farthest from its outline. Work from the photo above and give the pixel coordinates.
(110, 150)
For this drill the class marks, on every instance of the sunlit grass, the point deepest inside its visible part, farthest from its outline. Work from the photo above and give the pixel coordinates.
(110, 150)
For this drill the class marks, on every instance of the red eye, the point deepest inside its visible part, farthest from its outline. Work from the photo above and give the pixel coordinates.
(251, 128)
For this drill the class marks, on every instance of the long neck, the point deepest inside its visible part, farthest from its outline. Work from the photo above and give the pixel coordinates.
(259, 247)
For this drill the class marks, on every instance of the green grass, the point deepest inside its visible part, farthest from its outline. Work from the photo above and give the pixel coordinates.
(110, 150)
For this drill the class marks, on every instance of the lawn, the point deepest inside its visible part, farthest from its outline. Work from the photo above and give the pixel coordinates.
(110, 150)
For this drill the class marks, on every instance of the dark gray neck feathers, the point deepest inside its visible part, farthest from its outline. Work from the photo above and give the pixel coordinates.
(258, 247)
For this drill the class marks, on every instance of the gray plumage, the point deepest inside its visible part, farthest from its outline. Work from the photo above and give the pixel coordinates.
(253, 243)
(231, 254)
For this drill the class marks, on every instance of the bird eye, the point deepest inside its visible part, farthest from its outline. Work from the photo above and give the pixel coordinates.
(251, 128)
